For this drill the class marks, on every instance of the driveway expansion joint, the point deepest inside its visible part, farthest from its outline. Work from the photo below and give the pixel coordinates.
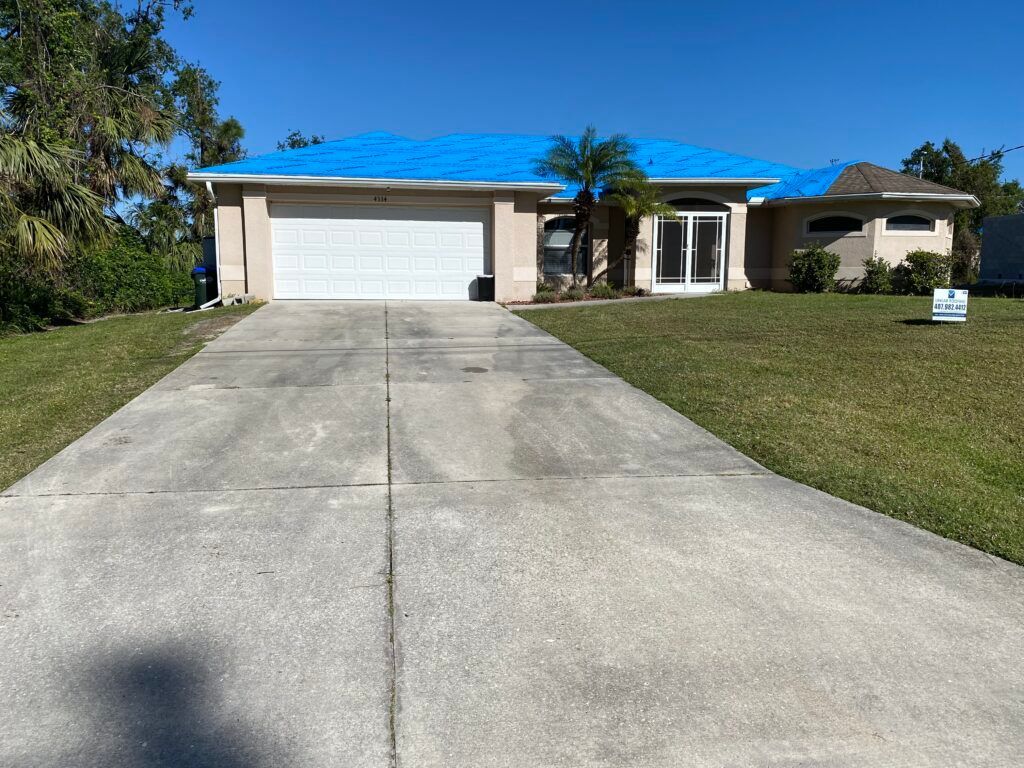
(393, 693)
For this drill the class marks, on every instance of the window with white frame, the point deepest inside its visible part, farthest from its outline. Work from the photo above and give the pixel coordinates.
(909, 222)
(557, 257)
(834, 224)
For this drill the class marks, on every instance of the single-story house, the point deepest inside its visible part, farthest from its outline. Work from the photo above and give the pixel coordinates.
(381, 216)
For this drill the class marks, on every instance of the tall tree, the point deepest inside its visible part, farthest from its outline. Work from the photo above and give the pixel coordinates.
(86, 74)
(212, 141)
(90, 86)
(948, 165)
(589, 164)
(176, 221)
(298, 140)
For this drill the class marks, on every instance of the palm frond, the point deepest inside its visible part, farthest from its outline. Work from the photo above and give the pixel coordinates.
(137, 177)
(39, 242)
(589, 162)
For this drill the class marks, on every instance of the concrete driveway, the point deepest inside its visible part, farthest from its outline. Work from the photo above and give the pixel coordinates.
(347, 532)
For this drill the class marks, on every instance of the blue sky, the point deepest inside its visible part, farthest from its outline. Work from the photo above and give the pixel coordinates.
(798, 83)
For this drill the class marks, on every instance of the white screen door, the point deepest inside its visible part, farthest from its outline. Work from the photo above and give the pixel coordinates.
(689, 252)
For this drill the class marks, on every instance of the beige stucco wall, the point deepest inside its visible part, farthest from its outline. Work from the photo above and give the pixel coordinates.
(245, 236)
(601, 245)
(760, 239)
(231, 239)
(514, 244)
(758, 254)
(735, 197)
(789, 234)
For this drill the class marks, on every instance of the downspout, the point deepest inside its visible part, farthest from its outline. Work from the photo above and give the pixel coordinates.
(216, 245)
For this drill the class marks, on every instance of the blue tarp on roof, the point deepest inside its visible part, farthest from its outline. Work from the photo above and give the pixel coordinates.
(504, 158)
(802, 184)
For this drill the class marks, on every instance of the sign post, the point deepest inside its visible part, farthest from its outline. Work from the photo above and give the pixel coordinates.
(949, 305)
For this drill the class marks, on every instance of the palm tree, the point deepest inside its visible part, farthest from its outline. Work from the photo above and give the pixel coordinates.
(44, 211)
(638, 199)
(590, 164)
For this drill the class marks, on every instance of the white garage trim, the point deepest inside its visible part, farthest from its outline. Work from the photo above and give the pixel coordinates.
(378, 252)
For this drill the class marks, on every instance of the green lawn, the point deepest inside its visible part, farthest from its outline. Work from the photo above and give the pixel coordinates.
(57, 385)
(850, 394)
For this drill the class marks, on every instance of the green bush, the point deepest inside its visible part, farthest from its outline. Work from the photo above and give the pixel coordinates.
(123, 277)
(603, 291)
(877, 276)
(545, 297)
(923, 271)
(573, 294)
(813, 270)
(543, 287)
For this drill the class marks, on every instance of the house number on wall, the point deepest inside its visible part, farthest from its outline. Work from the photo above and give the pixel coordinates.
(380, 198)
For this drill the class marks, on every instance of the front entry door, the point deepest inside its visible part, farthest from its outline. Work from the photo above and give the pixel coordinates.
(689, 253)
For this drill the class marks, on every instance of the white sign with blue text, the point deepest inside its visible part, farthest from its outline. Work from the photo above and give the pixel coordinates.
(949, 306)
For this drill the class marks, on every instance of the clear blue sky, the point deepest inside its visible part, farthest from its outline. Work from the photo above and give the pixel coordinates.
(799, 82)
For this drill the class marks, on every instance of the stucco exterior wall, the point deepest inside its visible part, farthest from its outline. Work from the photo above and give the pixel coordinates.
(735, 198)
(789, 234)
(231, 241)
(758, 253)
(760, 239)
(256, 233)
(514, 245)
(600, 239)
(245, 234)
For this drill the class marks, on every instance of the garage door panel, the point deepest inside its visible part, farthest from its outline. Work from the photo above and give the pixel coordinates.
(314, 261)
(348, 251)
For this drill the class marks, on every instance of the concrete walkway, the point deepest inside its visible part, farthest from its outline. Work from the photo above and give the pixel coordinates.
(350, 532)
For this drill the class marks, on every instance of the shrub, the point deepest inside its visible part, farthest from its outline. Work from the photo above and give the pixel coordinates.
(545, 297)
(603, 291)
(813, 270)
(631, 290)
(543, 287)
(923, 271)
(123, 277)
(573, 294)
(877, 276)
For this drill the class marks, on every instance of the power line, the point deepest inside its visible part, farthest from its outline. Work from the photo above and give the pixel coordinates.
(993, 154)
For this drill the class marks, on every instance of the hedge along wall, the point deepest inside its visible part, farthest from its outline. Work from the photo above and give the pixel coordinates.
(122, 277)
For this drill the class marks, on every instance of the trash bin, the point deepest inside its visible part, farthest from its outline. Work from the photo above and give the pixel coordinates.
(199, 280)
(485, 287)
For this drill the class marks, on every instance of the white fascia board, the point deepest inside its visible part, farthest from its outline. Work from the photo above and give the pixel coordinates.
(965, 201)
(713, 181)
(336, 181)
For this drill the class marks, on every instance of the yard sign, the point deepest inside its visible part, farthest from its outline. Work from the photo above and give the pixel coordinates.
(949, 306)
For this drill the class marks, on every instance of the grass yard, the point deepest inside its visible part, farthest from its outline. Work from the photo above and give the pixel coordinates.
(854, 395)
(59, 384)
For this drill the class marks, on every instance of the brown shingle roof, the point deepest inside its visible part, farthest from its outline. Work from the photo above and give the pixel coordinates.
(867, 178)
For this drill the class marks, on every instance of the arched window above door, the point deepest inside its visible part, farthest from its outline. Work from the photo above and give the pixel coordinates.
(698, 204)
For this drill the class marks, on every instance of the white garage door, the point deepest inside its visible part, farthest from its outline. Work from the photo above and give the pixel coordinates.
(375, 252)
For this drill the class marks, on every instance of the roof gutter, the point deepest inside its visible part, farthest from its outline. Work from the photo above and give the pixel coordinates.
(960, 201)
(334, 181)
(704, 182)
(718, 181)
